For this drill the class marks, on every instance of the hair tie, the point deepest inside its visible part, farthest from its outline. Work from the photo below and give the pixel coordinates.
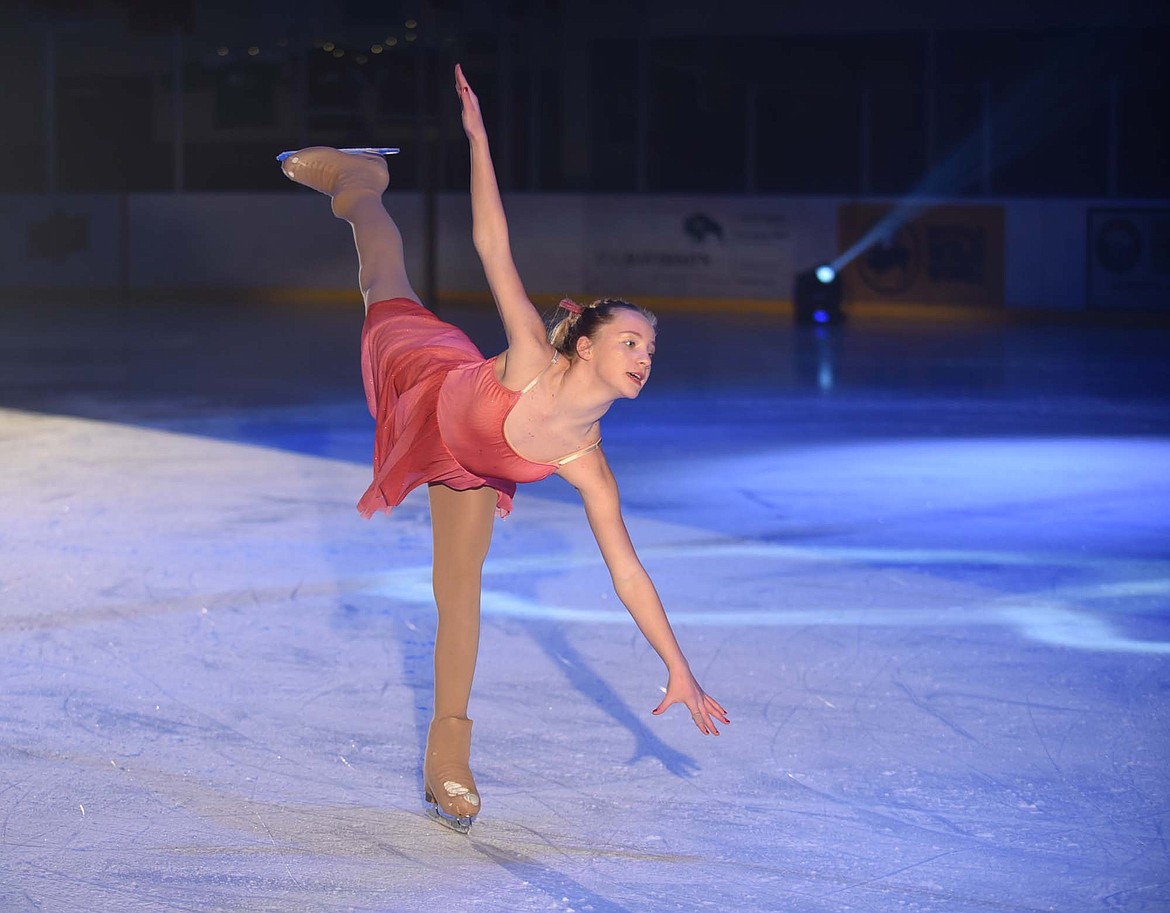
(571, 306)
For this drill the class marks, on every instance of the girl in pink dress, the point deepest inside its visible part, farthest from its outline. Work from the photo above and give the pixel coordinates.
(471, 428)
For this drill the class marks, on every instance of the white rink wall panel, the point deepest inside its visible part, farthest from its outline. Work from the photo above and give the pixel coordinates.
(703, 249)
(233, 241)
(1045, 244)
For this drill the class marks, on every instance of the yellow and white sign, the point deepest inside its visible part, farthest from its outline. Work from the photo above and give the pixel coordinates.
(943, 255)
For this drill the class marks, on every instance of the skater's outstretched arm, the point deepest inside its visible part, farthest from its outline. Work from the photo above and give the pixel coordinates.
(522, 324)
(592, 478)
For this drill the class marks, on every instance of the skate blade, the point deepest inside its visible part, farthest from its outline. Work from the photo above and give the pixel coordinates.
(372, 150)
(458, 823)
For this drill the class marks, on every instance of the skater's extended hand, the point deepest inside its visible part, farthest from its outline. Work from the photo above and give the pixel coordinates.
(705, 710)
(472, 118)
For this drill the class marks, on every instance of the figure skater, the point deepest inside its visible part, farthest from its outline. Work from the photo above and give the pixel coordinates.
(471, 428)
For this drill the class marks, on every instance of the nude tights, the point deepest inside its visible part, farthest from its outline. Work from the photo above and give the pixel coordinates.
(461, 521)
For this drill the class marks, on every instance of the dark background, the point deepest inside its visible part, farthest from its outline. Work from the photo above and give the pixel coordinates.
(830, 98)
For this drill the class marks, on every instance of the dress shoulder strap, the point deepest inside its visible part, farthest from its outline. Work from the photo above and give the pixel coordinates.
(579, 453)
(532, 383)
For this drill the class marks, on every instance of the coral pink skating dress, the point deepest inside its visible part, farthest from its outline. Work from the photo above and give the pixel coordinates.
(439, 410)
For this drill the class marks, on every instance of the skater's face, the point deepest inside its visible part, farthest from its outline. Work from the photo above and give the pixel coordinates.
(621, 351)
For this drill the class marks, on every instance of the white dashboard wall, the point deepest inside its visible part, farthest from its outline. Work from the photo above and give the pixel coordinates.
(698, 249)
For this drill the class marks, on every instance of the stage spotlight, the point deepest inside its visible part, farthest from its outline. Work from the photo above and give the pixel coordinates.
(816, 296)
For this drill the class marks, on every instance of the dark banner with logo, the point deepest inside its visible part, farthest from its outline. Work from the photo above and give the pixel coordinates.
(943, 255)
(1129, 259)
(69, 241)
(712, 248)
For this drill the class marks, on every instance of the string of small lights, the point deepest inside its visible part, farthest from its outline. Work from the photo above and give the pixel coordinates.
(356, 52)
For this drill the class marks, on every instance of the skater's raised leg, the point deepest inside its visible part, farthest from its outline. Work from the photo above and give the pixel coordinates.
(461, 525)
(355, 183)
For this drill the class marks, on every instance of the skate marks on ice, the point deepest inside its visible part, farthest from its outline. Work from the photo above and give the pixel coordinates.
(257, 755)
(592, 686)
(126, 485)
(833, 586)
(556, 885)
(152, 839)
(1064, 617)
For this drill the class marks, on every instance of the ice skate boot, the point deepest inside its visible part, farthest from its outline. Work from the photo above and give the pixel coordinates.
(449, 787)
(343, 176)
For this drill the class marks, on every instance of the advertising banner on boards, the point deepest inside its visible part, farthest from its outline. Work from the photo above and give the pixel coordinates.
(939, 255)
(65, 241)
(1129, 259)
(703, 247)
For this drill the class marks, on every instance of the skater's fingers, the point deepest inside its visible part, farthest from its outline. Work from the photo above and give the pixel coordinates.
(716, 709)
(462, 86)
(464, 91)
(704, 722)
(470, 104)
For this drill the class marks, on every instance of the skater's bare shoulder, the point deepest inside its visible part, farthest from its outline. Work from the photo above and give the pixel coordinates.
(591, 476)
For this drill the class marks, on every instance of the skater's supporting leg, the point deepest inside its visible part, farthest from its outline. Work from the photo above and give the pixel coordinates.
(355, 183)
(461, 523)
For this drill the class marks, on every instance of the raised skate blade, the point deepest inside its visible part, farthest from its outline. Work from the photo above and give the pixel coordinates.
(358, 150)
(458, 823)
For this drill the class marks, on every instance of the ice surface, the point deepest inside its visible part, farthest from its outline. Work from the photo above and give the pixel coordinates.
(933, 595)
